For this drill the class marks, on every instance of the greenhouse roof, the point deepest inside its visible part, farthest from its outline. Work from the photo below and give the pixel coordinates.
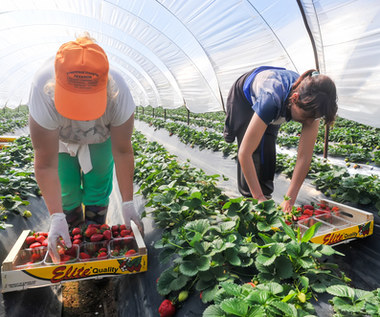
(180, 52)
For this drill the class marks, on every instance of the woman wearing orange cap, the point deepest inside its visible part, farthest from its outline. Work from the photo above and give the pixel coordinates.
(81, 123)
(258, 102)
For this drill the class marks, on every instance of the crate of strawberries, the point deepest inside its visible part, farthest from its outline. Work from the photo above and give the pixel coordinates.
(96, 251)
(337, 222)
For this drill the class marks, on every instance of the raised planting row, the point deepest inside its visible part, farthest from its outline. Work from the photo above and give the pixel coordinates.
(12, 119)
(239, 257)
(356, 143)
(17, 181)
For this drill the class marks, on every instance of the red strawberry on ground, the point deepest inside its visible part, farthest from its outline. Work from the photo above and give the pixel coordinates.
(166, 309)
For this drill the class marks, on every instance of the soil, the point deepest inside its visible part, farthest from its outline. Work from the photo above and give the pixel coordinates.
(95, 297)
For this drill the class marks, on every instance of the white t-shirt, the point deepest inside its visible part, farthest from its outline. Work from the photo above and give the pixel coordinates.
(43, 111)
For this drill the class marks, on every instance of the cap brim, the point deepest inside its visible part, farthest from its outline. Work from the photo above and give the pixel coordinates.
(82, 107)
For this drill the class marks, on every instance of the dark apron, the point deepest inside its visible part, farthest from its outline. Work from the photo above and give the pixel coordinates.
(239, 114)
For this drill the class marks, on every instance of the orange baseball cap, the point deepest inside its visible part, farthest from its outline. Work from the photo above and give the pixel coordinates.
(81, 76)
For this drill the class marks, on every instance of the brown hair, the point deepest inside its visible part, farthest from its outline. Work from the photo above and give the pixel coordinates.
(317, 95)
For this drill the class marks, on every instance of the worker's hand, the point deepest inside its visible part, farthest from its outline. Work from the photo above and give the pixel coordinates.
(130, 213)
(286, 206)
(58, 228)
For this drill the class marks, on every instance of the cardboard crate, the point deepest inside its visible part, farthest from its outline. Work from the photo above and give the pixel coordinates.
(350, 223)
(17, 277)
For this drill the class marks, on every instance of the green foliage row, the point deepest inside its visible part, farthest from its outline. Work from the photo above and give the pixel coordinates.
(12, 119)
(17, 181)
(233, 251)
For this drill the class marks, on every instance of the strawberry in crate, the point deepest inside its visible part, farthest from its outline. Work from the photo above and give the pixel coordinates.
(36, 239)
(96, 232)
(121, 231)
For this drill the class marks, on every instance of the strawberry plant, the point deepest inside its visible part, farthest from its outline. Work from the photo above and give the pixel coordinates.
(349, 301)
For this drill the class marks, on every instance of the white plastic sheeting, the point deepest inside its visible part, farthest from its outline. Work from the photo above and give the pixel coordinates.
(178, 52)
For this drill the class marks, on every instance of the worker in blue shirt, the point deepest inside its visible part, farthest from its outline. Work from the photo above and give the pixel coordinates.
(257, 104)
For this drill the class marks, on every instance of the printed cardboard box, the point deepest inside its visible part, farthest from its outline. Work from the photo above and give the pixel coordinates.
(349, 223)
(17, 277)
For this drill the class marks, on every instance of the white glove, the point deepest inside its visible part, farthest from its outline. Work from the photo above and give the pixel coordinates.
(58, 228)
(130, 213)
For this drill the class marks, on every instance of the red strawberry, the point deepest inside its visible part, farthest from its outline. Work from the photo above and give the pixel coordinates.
(35, 245)
(76, 231)
(115, 228)
(102, 255)
(65, 258)
(40, 239)
(30, 239)
(308, 207)
(45, 243)
(77, 236)
(96, 237)
(308, 212)
(104, 227)
(84, 255)
(90, 231)
(130, 252)
(36, 257)
(166, 309)
(77, 241)
(107, 234)
(45, 234)
(124, 233)
(123, 227)
(102, 250)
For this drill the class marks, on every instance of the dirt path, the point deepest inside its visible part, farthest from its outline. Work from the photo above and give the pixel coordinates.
(89, 298)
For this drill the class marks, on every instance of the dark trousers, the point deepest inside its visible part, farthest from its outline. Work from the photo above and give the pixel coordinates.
(239, 114)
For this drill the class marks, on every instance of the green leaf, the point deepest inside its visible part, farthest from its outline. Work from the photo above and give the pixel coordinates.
(200, 225)
(227, 226)
(213, 311)
(259, 297)
(188, 268)
(284, 267)
(344, 305)
(231, 289)
(341, 291)
(234, 306)
(288, 230)
(232, 257)
(265, 260)
(208, 295)
(310, 232)
(203, 263)
(272, 287)
(257, 311)
(287, 309)
(166, 254)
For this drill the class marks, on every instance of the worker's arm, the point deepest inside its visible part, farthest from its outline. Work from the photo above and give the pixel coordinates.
(123, 156)
(45, 143)
(251, 141)
(306, 144)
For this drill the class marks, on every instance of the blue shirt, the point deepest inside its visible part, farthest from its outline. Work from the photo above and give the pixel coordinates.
(267, 90)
